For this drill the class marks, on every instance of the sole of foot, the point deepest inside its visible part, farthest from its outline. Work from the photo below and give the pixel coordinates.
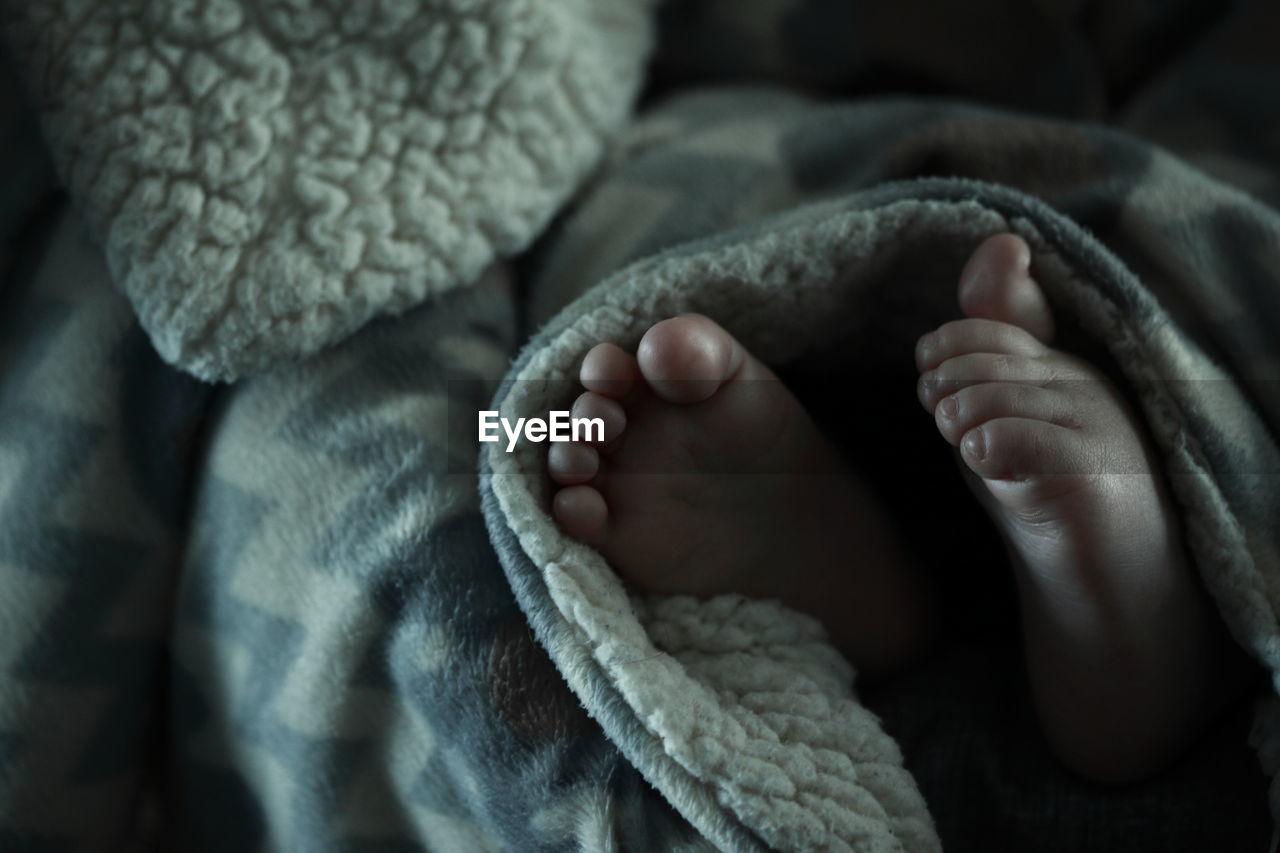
(1119, 639)
(712, 478)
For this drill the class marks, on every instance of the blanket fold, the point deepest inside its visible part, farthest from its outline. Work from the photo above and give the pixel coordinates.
(759, 219)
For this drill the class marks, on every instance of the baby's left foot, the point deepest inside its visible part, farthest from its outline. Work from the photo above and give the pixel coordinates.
(1125, 652)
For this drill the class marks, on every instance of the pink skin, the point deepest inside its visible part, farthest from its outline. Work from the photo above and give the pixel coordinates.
(712, 478)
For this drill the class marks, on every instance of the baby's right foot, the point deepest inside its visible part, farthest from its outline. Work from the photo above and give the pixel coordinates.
(714, 479)
(1125, 652)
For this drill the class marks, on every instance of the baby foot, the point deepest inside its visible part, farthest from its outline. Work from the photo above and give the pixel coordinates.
(712, 478)
(1121, 643)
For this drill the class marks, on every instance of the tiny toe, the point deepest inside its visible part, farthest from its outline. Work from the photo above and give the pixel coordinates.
(960, 337)
(686, 359)
(977, 367)
(969, 407)
(1020, 448)
(581, 511)
(996, 284)
(610, 370)
(570, 463)
(591, 405)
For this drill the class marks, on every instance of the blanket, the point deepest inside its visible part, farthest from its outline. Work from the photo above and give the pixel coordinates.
(812, 229)
(286, 613)
(266, 178)
(863, 265)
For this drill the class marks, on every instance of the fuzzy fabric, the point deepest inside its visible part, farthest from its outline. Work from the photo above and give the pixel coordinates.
(267, 177)
(739, 709)
(285, 614)
(268, 617)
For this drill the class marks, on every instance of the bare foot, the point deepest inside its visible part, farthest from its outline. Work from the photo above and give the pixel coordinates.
(713, 479)
(1127, 658)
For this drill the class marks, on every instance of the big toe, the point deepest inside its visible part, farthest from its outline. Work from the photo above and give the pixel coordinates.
(996, 284)
(686, 359)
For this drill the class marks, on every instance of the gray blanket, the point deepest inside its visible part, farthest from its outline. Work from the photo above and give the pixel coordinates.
(286, 614)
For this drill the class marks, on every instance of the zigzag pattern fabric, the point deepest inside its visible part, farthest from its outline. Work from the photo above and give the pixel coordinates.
(287, 614)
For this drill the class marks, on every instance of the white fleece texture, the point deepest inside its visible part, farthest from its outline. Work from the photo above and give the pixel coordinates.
(268, 175)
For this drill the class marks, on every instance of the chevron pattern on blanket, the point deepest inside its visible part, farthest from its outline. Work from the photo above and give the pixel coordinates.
(351, 669)
(94, 436)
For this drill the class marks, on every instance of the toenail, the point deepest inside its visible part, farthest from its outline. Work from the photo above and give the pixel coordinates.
(950, 408)
(975, 443)
(928, 381)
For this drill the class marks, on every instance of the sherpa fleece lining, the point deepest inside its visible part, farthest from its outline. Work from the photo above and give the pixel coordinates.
(266, 177)
(736, 710)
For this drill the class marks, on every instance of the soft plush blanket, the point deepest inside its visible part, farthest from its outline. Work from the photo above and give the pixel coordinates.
(264, 178)
(823, 268)
(287, 614)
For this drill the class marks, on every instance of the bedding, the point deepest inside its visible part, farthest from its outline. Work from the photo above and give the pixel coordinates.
(264, 178)
(307, 610)
(824, 246)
